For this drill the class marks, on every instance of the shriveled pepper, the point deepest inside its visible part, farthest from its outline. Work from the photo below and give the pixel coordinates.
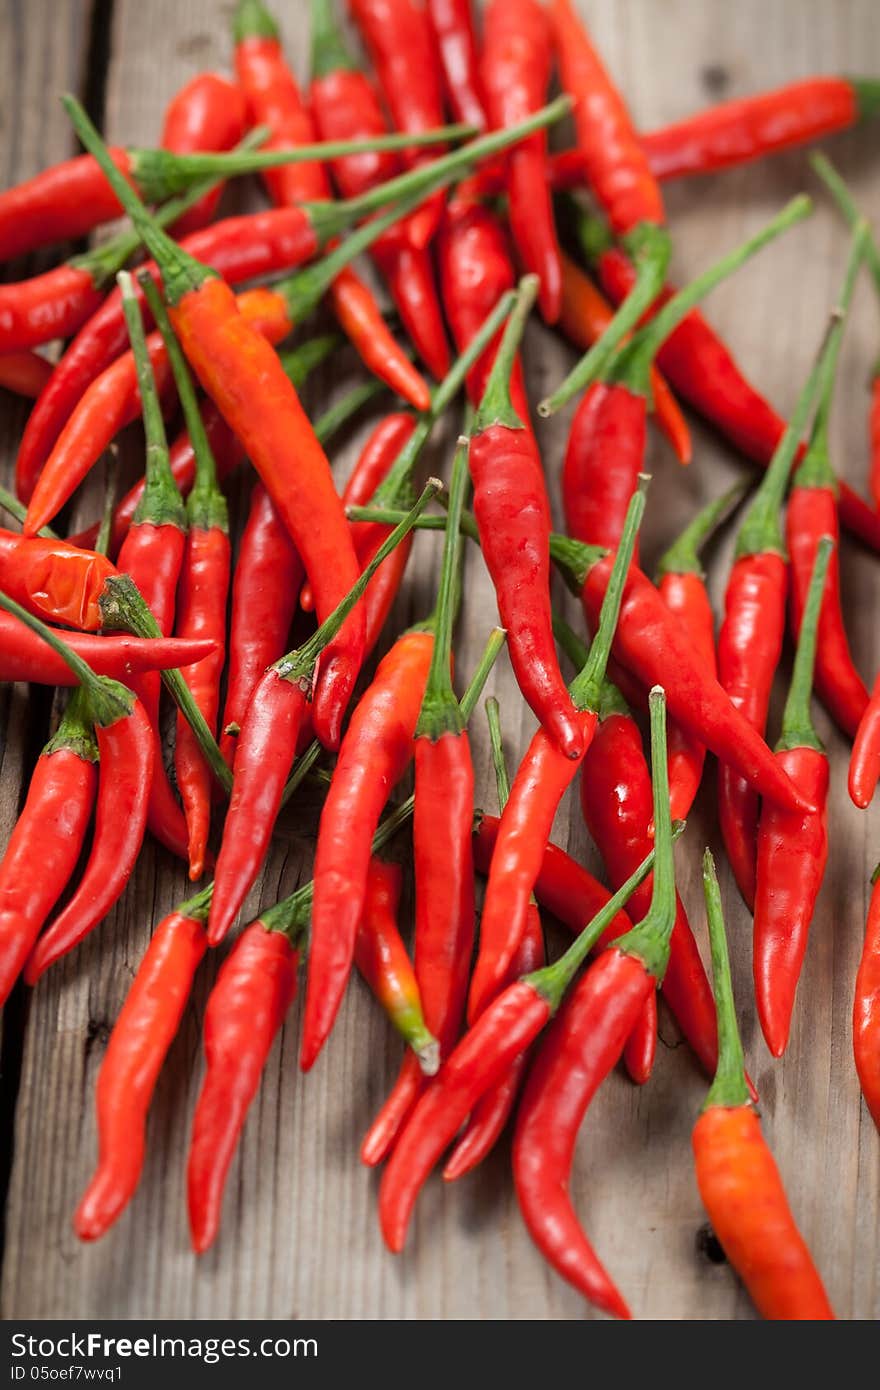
(738, 1180)
(56, 580)
(136, 1051)
(792, 846)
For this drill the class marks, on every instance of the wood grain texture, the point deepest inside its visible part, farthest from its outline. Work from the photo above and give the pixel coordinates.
(300, 1236)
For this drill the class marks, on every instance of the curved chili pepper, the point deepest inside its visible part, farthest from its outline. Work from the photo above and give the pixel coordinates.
(267, 744)
(381, 958)
(54, 579)
(513, 518)
(735, 132)
(204, 587)
(620, 177)
(48, 836)
(540, 783)
(864, 767)
(208, 113)
(616, 802)
(515, 67)
(508, 1026)
(152, 555)
(374, 754)
(583, 317)
(24, 657)
(792, 847)
(246, 1009)
(25, 373)
(398, 38)
(682, 584)
(584, 1045)
(453, 24)
(345, 105)
(607, 441)
(492, 1111)
(138, 1045)
(739, 1182)
(866, 1008)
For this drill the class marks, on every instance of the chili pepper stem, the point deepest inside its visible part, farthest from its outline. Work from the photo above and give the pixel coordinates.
(826, 171)
(440, 713)
(798, 730)
(496, 407)
(729, 1087)
(683, 556)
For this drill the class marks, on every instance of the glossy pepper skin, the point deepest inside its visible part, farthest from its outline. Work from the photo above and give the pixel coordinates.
(736, 132)
(246, 1009)
(605, 451)
(864, 766)
(55, 580)
(46, 841)
(454, 33)
(24, 657)
(382, 960)
(24, 373)
(139, 1043)
(738, 1180)
(126, 757)
(208, 113)
(375, 752)
(516, 65)
(866, 1010)
(239, 248)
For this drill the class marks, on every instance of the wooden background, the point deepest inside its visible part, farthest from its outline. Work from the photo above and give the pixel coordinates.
(300, 1237)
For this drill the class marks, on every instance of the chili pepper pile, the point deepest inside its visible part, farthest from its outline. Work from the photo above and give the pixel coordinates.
(236, 579)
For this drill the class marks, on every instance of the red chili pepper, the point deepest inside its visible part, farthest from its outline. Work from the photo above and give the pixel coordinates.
(398, 38)
(138, 1045)
(864, 767)
(866, 1009)
(381, 958)
(584, 316)
(475, 271)
(208, 113)
(682, 584)
(516, 64)
(346, 106)
(493, 1109)
(739, 1182)
(513, 518)
(25, 373)
(204, 588)
(608, 437)
(579, 1053)
(812, 513)
(49, 834)
(54, 579)
(267, 744)
(540, 783)
(735, 132)
(246, 1009)
(374, 754)
(617, 807)
(792, 846)
(509, 1025)
(152, 555)
(24, 657)
(452, 22)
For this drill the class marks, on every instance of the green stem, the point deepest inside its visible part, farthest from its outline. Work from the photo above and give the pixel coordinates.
(105, 526)
(729, 1088)
(847, 206)
(632, 366)
(75, 731)
(798, 730)
(10, 503)
(650, 248)
(683, 556)
(649, 941)
(496, 744)
(103, 262)
(197, 907)
(160, 503)
(815, 468)
(205, 506)
(299, 362)
(496, 407)
(299, 665)
(253, 21)
(440, 713)
(108, 700)
(397, 479)
(329, 51)
(123, 609)
(761, 530)
(574, 647)
(343, 410)
(586, 687)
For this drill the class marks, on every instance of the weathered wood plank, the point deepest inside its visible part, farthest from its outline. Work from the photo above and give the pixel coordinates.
(300, 1236)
